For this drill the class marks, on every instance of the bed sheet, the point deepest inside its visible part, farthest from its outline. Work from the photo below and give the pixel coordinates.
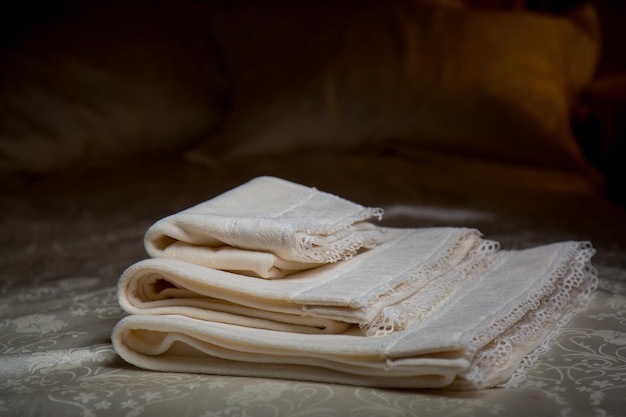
(66, 238)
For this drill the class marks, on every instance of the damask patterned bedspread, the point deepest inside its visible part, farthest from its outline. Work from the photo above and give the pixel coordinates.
(66, 239)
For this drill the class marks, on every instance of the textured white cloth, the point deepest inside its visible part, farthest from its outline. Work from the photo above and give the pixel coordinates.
(478, 337)
(358, 304)
(267, 227)
(324, 299)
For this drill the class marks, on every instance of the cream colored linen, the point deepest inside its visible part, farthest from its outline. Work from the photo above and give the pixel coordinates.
(267, 227)
(478, 337)
(323, 299)
(357, 303)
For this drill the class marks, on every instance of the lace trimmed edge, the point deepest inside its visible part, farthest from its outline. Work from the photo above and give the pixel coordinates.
(520, 374)
(404, 287)
(576, 263)
(422, 303)
(311, 247)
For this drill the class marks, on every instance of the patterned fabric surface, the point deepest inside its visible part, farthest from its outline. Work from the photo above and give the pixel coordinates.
(66, 239)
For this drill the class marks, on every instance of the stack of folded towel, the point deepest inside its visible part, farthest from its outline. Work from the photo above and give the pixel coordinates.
(275, 279)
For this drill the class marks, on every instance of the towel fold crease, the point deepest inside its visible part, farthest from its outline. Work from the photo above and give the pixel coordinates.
(267, 227)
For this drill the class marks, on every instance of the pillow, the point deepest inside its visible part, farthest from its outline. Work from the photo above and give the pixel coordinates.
(430, 75)
(102, 80)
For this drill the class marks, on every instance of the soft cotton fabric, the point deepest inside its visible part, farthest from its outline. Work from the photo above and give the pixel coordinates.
(324, 299)
(267, 227)
(478, 337)
(403, 308)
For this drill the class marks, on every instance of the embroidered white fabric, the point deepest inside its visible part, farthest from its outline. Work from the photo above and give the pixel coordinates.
(399, 316)
(566, 291)
(325, 299)
(446, 308)
(477, 338)
(267, 227)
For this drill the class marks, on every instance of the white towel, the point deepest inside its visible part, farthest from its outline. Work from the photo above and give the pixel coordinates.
(477, 337)
(326, 299)
(267, 227)
(343, 300)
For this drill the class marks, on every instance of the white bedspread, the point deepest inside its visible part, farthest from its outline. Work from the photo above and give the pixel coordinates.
(65, 244)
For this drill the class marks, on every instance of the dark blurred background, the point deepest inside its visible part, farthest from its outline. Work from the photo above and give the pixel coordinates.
(161, 58)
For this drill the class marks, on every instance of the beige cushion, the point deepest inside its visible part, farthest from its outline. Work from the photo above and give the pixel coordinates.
(431, 75)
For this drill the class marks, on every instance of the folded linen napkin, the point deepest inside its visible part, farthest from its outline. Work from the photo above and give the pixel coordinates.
(267, 227)
(477, 336)
(326, 299)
